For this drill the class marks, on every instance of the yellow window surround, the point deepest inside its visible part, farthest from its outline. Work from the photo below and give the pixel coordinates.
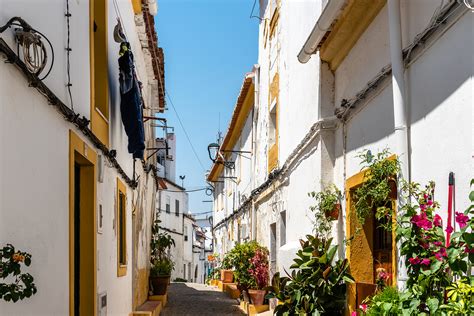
(273, 99)
(99, 86)
(121, 206)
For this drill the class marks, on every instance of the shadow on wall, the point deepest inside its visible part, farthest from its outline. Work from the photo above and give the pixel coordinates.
(431, 80)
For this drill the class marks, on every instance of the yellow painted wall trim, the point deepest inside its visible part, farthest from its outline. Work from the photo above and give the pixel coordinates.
(354, 20)
(137, 6)
(80, 153)
(274, 22)
(121, 268)
(99, 81)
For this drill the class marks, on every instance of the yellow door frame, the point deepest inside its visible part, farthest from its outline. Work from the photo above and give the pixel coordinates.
(121, 268)
(80, 153)
(359, 263)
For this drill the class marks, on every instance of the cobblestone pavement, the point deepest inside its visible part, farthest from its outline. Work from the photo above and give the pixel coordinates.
(198, 299)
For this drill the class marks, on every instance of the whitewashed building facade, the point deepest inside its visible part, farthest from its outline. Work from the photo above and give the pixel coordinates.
(325, 86)
(70, 192)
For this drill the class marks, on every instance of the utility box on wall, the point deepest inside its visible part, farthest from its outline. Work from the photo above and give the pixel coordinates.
(102, 304)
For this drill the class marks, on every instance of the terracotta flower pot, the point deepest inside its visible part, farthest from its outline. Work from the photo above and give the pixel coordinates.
(334, 214)
(227, 276)
(160, 284)
(257, 297)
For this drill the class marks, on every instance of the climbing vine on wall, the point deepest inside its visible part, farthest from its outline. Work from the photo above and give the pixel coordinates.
(19, 285)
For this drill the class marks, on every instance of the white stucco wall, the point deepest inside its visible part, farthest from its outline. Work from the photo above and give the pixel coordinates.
(34, 185)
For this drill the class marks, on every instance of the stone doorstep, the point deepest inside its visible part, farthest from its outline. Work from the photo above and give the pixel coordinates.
(232, 290)
(162, 298)
(149, 308)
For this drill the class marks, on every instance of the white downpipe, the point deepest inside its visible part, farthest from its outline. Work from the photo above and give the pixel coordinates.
(399, 108)
(254, 147)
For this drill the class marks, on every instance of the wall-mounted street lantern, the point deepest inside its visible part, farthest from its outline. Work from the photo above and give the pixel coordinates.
(216, 155)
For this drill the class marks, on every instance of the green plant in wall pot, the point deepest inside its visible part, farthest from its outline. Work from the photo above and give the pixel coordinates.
(161, 263)
(22, 285)
(326, 209)
(316, 285)
(379, 186)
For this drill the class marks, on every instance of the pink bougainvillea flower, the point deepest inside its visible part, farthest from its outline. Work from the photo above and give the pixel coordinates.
(423, 207)
(425, 262)
(440, 254)
(414, 261)
(354, 313)
(424, 245)
(449, 229)
(422, 221)
(461, 219)
(415, 219)
(363, 307)
(468, 250)
(437, 243)
(429, 202)
(437, 220)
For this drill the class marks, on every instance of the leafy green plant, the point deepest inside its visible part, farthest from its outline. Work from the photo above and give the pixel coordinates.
(11, 262)
(239, 258)
(384, 303)
(160, 245)
(162, 267)
(380, 173)
(460, 298)
(316, 286)
(326, 202)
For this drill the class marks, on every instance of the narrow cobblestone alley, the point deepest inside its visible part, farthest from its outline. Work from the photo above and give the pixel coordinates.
(198, 299)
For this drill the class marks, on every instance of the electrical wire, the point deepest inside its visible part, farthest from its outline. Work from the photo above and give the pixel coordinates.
(21, 23)
(180, 121)
(68, 54)
(251, 13)
(178, 191)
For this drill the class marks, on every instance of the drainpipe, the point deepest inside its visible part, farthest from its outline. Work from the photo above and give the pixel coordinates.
(254, 145)
(399, 109)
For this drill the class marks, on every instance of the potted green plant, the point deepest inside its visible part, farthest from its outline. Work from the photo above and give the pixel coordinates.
(379, 186)
(317, 285)
(161, 263)
(259, 270)
(328, 202)
(226, 273)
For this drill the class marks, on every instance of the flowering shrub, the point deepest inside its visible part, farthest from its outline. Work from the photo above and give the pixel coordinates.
(10, 266)
(259, 268)
(382, 278)
(432, 261)
(239, 258)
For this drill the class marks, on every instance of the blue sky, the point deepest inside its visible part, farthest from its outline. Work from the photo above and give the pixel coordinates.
(209, 45)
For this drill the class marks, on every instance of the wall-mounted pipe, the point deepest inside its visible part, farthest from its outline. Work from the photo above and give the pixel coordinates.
(399, 107)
